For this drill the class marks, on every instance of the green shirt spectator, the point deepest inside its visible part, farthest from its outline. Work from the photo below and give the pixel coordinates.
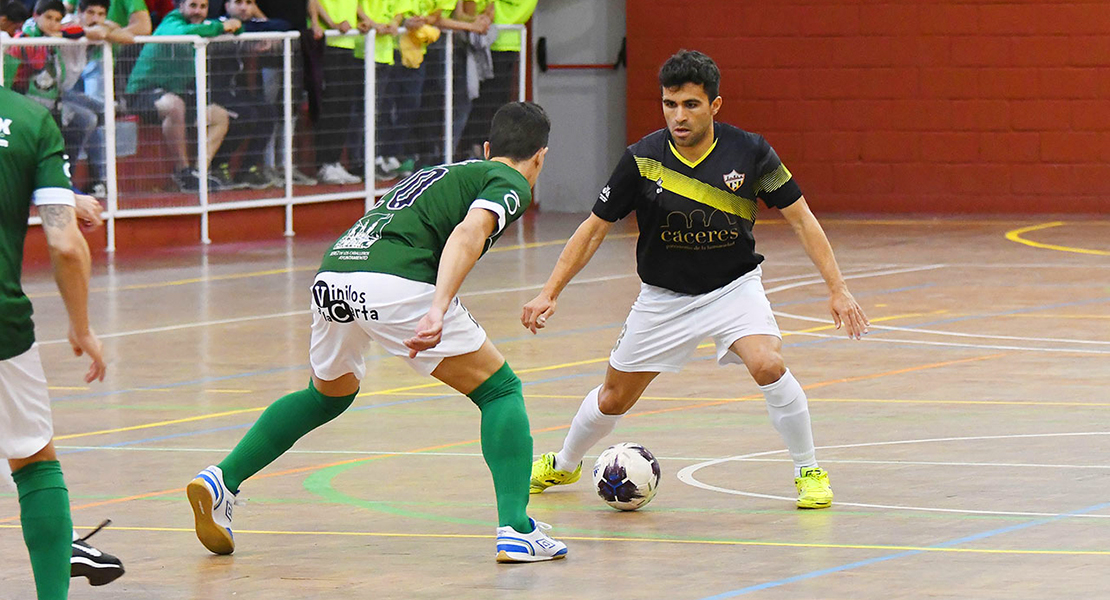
(131, 15)
(171, 66)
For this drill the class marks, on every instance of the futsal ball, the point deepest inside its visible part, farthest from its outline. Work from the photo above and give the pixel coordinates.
(626, 476)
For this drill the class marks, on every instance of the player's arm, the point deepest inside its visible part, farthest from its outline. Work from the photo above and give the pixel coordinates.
(844, 308)
(69, 255)
(576, 254)
(463, 249)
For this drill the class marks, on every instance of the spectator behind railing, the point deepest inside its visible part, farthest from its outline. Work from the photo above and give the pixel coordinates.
(83, 86)
(343, 87)
(131, 15)
(12, 16)
(163, 86)
(238, 88)
(383, 17)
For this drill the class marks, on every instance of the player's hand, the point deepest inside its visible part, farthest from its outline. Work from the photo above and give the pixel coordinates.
(429, 332)
(88, 212)
(86, 343)
(537, 312)
(846, 311)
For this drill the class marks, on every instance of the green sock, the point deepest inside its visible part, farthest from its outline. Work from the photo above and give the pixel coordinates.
(280, 426)
(47, 526)
(506, 445)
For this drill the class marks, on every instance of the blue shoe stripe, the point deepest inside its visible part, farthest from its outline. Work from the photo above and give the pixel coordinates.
(531, 549)
(561, 552)
(209, 478)
(513, 548)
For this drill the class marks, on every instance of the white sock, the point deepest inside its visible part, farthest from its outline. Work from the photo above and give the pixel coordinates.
(589, 426)
(789, 410)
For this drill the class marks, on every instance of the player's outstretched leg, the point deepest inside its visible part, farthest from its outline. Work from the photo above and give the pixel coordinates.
(47, 526)
(507, 448)
(287, 420)
(789, 410)
(99, 567)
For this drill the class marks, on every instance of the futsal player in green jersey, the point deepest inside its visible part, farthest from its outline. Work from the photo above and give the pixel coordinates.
(33, 169)
(693, 186)
(393, 278)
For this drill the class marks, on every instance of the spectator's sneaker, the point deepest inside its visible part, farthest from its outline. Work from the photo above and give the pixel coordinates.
(187, 179)
(212, 504)
(516, 547)
(299, 178)
(386, 167)
(545, 475)
(335, 174)
(100, 568)
(254, 178)
(814, 490)
(98, 189)
(220, 180)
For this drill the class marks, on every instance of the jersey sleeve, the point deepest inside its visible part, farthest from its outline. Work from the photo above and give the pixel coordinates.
(52, 184)
(618, 197)
(505, 199)
(774, 183)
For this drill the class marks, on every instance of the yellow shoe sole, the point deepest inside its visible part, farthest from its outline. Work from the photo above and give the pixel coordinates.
(814, 504)
(214, 537)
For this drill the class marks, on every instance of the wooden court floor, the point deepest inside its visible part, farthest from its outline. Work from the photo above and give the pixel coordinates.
(967, 436)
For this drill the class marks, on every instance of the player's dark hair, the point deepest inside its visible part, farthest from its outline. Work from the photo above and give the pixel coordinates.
(44, 5)
(15, 12)
(691, 66)
(519, 130)
(85, 4)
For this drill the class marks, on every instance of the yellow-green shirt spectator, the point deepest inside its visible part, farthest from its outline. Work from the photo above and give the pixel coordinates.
(511, 12)
(339, 11)
(424, 8)
(381, 11)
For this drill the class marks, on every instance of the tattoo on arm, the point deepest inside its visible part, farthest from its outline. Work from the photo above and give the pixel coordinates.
(56, 216)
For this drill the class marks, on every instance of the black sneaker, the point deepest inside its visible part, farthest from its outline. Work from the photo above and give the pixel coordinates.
(254, 178)
(99, 567)
(187, 179)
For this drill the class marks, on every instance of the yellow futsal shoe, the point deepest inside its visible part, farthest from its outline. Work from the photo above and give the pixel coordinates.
(813, 488)
(544, 474)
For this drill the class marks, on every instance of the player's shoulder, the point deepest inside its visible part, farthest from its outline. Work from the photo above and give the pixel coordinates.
(17, 107)
(735, 138)
(652, 145)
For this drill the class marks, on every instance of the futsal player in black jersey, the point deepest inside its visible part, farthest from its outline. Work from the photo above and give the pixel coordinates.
(694, 187)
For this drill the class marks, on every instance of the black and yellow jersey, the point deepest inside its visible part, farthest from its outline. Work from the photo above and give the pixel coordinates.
(696, 218)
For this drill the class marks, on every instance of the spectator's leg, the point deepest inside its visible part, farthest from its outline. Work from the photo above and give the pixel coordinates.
(171, 109)
(218, 123)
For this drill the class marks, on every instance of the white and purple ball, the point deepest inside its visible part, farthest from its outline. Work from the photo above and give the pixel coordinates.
(626, 476)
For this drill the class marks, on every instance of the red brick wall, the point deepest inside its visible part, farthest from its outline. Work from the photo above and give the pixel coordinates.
(936, 107)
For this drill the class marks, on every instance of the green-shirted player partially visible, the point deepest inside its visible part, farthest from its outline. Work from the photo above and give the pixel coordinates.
(33, 169)
(392, 278)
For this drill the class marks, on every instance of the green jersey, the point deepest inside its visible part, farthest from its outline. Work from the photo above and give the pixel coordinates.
(33, 167)
(404, 234)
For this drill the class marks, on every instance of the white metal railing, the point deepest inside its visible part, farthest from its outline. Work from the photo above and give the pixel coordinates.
(368, 192)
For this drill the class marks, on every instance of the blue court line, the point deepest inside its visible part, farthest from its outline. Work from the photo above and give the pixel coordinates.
(879, 559)
(357, 409)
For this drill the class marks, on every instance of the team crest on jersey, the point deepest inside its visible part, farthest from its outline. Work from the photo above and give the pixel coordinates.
(734, 180)
(5, 130)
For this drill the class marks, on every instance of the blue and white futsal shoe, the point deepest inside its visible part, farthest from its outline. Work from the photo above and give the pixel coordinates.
(515, 547)
(212, 504)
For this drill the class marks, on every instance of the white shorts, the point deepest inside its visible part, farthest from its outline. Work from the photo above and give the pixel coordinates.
(25, 423)
(664, 327)
(351, 309)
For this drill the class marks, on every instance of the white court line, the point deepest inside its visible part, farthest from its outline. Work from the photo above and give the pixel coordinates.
(880, 273)
(594, 456)
(951, 344)
(463, 295)
(686, 475)
(952, 333)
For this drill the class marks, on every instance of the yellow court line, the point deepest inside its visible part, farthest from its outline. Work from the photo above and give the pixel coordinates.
(1014, 235)
(159, 423)
(581, 538)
